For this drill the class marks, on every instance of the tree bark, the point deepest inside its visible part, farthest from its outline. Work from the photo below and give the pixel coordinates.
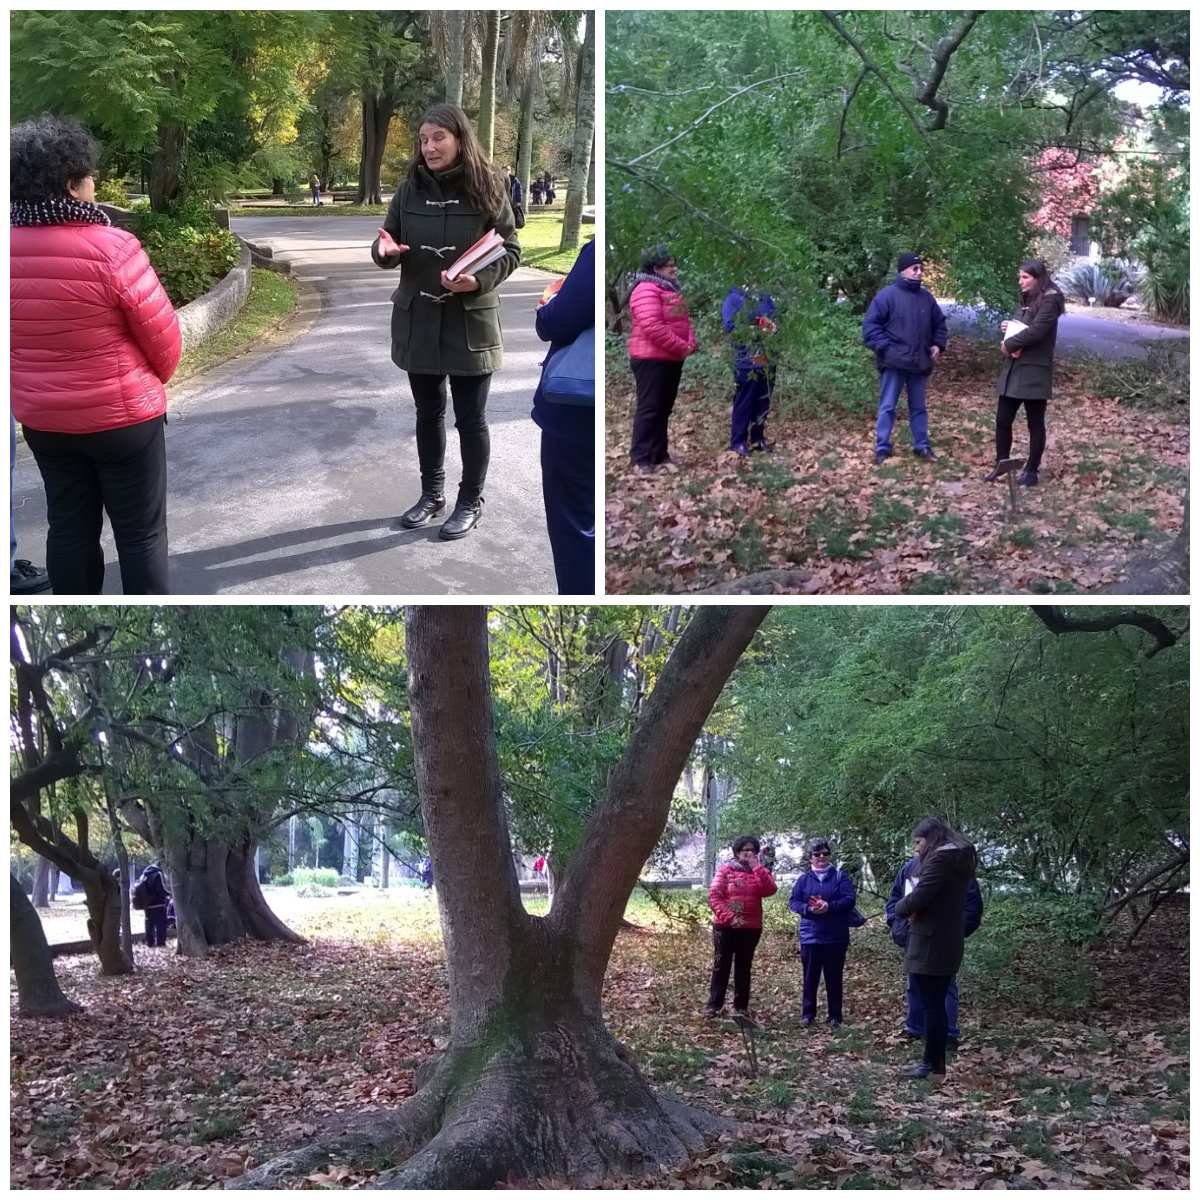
(165, 177)
(524, 164)
(38, 993)
(581, 150)
(532, 1083)
(487, 82)
(378, 108)
(456, 67)
(42, 891)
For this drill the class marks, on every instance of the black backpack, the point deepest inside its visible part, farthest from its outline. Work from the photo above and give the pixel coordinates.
(137, 897)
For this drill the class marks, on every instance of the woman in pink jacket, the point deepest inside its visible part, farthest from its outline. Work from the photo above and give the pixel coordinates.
(93, 338)
(736, 895)
(662, 338)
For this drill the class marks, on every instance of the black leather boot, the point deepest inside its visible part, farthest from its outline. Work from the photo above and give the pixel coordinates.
(463, 519)
(1028, 478)
(993, 474)
(423, 511)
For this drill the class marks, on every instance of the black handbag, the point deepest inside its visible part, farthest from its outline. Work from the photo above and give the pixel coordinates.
(519, 215)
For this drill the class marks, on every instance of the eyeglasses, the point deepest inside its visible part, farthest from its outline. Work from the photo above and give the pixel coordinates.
(820, 854)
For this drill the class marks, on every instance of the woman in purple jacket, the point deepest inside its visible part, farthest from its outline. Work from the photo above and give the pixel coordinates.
(824, 897)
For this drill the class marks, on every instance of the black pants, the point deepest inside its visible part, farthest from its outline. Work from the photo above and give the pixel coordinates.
(736, 947)
(932, 990)
(830, 960)
(156, 925)
(122, 472)
(569, 491)
(1035, 416)
(657, 384)
(470, 393)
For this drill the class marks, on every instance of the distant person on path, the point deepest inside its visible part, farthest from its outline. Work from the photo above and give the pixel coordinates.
(93, 339)
(548, 188)
(936, 913)
(569, 436)
(425, 872)
(536, 192)
(1027, 372)
(151, 896)
(444, 328)
(314, 184)
(914, 1018)
(735, 896)
(824, 897)
(24, 579)
(748, 315)
(662, 338)
(905, 327)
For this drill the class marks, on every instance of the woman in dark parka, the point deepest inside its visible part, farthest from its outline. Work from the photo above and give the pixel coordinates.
(445, 328)
(936, 910)
(1027, 373)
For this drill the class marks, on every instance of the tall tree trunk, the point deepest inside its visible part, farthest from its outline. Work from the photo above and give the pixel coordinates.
(456, 65)
(377, 111)
(165, 170)
(581, 150)
(524, 167)
(487, 82)
(217, 895)
(43, 871)
(38, 993)
(526, 1019)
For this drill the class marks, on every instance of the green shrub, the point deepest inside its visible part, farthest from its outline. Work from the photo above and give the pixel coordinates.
(1109, 283)
(313, 891)
(1029, 953)
(285, 880)
(111, 191)
(187, 249)
(321, 876)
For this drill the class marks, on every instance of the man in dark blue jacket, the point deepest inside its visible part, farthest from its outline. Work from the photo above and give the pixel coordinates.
(905, 881)
(905, 327)
(748, 314)
(569, 437)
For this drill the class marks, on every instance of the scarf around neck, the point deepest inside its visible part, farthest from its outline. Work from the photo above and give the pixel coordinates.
(56, 210)
(651, 277)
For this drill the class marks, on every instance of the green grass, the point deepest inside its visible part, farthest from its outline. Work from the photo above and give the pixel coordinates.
(272, 296)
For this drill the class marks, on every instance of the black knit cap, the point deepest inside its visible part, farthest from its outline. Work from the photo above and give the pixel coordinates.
(907, 260)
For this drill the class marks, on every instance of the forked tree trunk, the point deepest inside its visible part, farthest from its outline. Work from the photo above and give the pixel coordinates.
(38, 993)
(532, 1083)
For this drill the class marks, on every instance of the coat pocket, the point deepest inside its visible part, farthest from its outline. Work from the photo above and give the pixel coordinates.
(401, 321)
(481, 313)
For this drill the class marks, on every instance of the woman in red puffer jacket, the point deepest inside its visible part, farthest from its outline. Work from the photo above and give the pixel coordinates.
(93, 339)
(662, 338)
(736, 895)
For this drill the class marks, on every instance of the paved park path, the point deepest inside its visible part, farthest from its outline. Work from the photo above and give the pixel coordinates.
(289, 465)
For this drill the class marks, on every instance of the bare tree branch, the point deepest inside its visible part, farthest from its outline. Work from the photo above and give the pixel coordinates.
(1058, 622)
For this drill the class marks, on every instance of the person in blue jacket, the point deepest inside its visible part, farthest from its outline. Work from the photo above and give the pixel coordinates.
(748, 314)
(569, 437)
(914, 1018)
(905, 327)
(824, 897)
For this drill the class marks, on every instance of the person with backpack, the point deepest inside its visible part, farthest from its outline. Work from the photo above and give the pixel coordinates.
(736, 895)
(914, 1019)
(150, 895)
(824, 897)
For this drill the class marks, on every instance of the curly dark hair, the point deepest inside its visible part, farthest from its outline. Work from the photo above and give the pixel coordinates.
(483, 182)
(655, 257)
(739, 844)
(46, 154)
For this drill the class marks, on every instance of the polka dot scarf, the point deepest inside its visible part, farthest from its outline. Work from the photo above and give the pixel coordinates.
(56, 210)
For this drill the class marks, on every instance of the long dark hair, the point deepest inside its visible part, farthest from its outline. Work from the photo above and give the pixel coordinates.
(1043, 286)
(937, 833)
(484, 183)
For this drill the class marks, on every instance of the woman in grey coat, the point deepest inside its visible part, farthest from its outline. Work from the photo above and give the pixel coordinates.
(448, 328)
(1027, 373)
(936, 910)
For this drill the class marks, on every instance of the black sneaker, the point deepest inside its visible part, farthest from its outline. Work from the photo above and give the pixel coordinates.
(1028, 478)
(25, 579)
(925, 454)
(834, 1024)
(881, 456)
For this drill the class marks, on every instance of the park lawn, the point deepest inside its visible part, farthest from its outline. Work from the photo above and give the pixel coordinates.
(818, 517)
(191, 1070)
(271, 298)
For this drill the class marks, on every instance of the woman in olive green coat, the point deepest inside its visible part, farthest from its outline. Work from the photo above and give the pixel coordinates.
(1027, 373)
(442, 328)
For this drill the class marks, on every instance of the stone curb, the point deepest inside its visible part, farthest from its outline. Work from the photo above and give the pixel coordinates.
(211, 312)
